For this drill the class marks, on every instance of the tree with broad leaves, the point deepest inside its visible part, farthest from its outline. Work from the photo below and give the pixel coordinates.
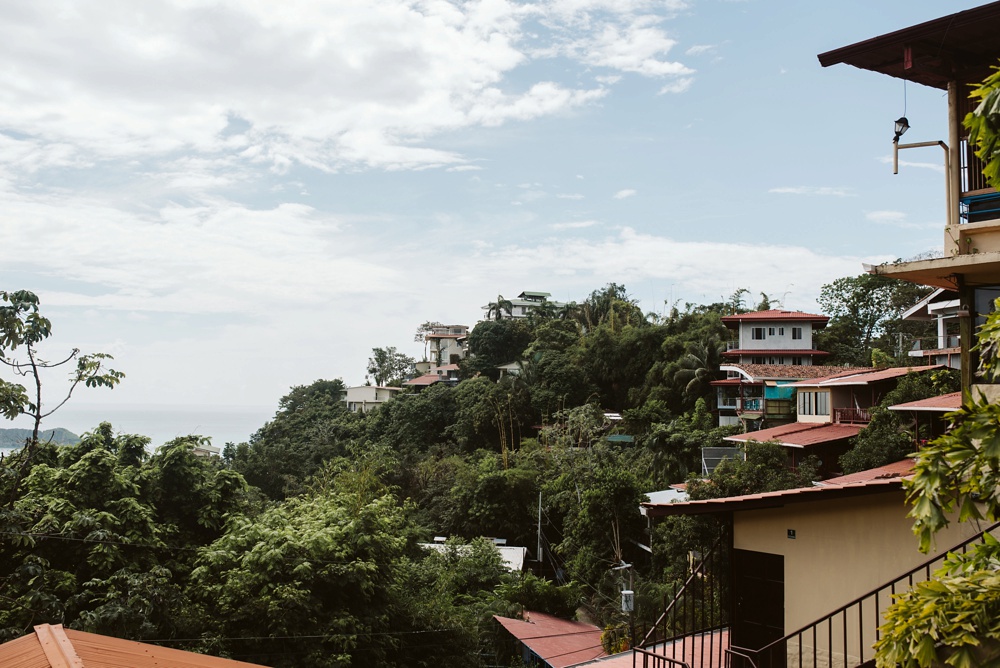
(983, 124)
(387, 366)
(22, 329)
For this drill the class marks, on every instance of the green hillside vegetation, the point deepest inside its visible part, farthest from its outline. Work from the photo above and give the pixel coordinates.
(15, 438)
(300, 546)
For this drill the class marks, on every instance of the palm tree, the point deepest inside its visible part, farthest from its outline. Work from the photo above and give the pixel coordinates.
(496, 309)
(699, 367)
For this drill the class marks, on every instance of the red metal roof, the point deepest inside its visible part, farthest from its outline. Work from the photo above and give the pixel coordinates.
(865, 377)
(56, 647)
(558, 642)
(874, 481)
(790, 352)
(776, 314)
(800, 434)
(426, 379)
(760, 372)
(900, 469)
(946, 403)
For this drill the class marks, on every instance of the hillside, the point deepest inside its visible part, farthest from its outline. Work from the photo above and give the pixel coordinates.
(14, 438)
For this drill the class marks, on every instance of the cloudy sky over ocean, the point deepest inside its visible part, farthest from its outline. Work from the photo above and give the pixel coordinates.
(233, 197)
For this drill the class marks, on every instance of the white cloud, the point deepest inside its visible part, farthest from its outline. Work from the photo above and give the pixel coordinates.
(574, 226)
(897, 219)
(569, 196)
(933, 166)
(822, 191)
(679, 86)
(699, 49)
(626, 193)
(464, 168)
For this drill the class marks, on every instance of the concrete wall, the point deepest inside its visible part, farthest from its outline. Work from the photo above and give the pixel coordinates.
(841, 550)
(780, 340)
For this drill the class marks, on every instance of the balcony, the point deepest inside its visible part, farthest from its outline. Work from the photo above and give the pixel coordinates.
(852, 415)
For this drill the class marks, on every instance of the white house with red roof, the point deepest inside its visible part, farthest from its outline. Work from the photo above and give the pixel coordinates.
(773, 348)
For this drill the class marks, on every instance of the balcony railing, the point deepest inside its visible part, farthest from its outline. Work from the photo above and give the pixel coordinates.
(852, 415)
(694, 627)
(751, 404)
(933, 343)
(845, 637)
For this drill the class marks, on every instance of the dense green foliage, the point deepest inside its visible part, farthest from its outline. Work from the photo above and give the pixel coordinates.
(983, 124)
(954, 615)
(300, 546)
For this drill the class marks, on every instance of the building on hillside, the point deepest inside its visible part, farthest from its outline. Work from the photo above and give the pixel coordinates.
(522, 305)
(363, 398)
(757, 396)
(446, 344)
(771, 350)
(53, 646)
(774, 337)
(943, 308)
(808, 571)
(513, 556)
(829, 412)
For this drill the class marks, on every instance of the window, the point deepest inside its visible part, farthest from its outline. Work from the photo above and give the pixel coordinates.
(757, 359)
(796, 332)
(781, 331)
(774, 360)
(770, 331)
(757, 333)
(797, 361)
(814, 403)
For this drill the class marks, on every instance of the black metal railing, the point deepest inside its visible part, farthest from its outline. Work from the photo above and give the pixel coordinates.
(694, 627)
(845, 637)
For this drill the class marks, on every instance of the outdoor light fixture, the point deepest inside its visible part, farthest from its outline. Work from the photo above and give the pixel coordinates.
(902, 125)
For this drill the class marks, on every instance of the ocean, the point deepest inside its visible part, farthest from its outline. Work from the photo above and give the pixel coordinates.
(223, 424)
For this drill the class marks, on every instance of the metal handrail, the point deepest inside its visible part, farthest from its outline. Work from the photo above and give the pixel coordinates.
(656, 659)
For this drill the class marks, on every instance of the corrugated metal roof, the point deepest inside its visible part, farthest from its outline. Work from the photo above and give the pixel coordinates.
(426, 379)
(946, 403)
(776, 314)
(788, 371)
(874, 481)
(866, 377)
(800, 434)
(558, 642)
(52, 646)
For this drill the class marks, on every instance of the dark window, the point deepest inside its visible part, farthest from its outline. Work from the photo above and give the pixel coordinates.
(758, 334)
(796, 332)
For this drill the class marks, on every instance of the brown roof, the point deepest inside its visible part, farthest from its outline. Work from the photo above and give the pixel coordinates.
(865, 377)
(943, 404)
(426, 379)
(775, 351)
(558, 642)
(800, 434)
(874, 481)
(789, 371)
(56, 647)
(776, 314)
(959, 47)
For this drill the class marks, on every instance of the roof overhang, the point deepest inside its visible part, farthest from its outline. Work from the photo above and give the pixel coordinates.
(958, 47)
(945, 272)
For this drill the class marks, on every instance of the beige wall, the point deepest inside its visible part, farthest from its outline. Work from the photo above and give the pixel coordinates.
(842, 549)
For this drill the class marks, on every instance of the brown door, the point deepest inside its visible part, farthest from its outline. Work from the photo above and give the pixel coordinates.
(758, 601)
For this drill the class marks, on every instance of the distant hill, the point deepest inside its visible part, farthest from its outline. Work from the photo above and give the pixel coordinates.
(14, 438)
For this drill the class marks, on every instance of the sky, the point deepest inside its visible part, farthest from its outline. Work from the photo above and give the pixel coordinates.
(234, 197)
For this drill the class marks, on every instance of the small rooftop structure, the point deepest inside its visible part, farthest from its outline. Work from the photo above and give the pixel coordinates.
(52, 646)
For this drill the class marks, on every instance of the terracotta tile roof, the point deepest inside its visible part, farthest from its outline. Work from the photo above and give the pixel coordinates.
(865, 377)
(426, 379)
(800, 434)
(788, 351)
(55, 647)
(789, 371)
(883, 479)
(558, 642)
(946, 403)
(776, 314)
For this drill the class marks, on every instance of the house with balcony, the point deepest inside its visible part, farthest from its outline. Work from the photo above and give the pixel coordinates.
(941, 307)
(771, 349)
(446, 344)
(363, 398)
(802, 577)
(830, 411)
(523, 305)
